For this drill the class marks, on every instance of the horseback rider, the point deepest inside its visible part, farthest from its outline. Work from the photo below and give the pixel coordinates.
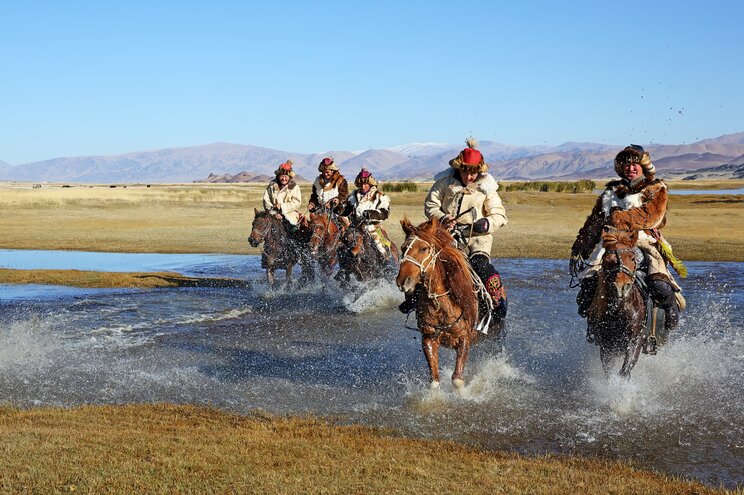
(369, 207)
(466, 201)
(282, 197)
(638, 201)
(329, 189)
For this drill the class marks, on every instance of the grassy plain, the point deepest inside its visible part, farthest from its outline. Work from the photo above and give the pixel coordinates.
(182, 449)
(216, 218)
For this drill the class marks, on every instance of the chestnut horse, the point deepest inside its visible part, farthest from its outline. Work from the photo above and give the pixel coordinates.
(617, 315)
(280, 251)
(447, 306)
(325, 237)
(359, 258)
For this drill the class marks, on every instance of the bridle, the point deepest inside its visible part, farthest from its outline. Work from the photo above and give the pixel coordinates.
(261, 234)
(429, 259)
(320, 231)
(620, 267)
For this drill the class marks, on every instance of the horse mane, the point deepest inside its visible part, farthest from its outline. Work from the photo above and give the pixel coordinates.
(453, 268)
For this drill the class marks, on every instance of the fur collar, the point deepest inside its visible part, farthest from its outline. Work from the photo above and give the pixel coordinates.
(290, 185)
(623, 187)
(485, 183)
(331, 180)
(371, 194)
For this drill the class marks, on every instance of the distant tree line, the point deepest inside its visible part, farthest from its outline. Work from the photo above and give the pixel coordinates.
(399, 186)
(577, 186)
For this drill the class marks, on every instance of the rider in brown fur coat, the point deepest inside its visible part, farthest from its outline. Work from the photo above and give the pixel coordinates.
(330, 189)
(638, 201)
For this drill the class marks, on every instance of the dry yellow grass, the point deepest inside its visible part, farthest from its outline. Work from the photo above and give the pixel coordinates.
(181, 449)
(216, 218)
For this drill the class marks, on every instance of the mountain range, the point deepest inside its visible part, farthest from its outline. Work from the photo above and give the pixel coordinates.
(416, 161)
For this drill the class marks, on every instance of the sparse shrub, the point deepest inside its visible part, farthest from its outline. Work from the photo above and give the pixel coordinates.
(583, 185)
(399, 187)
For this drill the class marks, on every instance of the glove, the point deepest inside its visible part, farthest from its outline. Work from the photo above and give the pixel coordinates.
(480, 226)
(575, 265)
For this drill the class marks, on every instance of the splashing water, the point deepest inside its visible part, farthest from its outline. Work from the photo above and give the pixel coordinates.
(346, 354)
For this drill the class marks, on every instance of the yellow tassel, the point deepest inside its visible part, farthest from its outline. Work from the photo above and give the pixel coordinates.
(666, 252)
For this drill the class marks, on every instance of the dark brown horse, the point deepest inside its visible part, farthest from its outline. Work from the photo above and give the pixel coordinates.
(447, 307)
(617, 315)
(358, 257)
(325, 238)
(281, 251)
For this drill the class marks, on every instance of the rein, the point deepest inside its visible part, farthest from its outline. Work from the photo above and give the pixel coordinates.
(620, 266)
(424, 266)
(317, 234)
(262, 233)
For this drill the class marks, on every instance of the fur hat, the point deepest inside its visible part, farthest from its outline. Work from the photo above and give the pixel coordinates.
(327, 164)
(285, 169)
(470, 159)
(634, 154)
(365, 177)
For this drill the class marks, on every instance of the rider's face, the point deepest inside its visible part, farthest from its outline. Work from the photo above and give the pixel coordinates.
(365, 188)
(468, 177)
(284, 179)
(327, 173)
(632, 171)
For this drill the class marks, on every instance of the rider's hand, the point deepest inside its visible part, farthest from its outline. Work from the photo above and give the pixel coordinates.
(480, 226)
(278, 216)
(310, 207)
(334, 202)
(448, 222)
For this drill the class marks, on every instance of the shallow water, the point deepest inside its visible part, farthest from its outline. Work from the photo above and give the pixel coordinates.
(320, 351)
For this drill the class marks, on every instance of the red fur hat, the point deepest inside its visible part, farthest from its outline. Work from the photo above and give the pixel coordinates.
(470, 159)
(285, 169)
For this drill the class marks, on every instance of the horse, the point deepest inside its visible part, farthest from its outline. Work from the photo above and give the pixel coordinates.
(359, 258)
(447, 304)
(617, 315)
(325, 236)
(281, 251)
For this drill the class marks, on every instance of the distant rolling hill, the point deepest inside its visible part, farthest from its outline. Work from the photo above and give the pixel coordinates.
(418, 161)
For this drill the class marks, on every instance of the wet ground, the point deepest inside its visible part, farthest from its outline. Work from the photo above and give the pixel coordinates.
(329, 353)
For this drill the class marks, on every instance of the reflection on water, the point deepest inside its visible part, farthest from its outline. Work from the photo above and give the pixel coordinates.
(333, 353)
(739, 190)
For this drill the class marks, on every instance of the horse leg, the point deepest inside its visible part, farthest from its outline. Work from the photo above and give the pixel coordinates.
(462, 356)
(606, 356)
(633, 350)
(270, 277)
(431, 351)
(288, 273)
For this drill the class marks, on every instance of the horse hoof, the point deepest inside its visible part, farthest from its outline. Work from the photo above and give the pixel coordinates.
(434, 385)
(458, 383)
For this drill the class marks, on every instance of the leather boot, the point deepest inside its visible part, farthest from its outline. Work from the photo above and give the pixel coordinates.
(586, 295)
(409, 304)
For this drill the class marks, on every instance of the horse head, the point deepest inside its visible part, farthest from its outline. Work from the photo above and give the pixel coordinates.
(323, 232)
(353, 240)
(421, 249)
(619, 263)
(260, 228)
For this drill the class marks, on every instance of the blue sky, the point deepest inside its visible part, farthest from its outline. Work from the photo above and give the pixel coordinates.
(105, 77)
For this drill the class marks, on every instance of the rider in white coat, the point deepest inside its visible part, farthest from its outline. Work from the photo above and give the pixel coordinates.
(369, 207)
